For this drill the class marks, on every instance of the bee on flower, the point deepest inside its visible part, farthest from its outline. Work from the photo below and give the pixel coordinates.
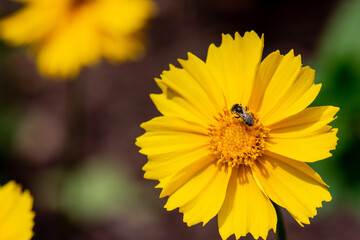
(236, 134)
(67, 35)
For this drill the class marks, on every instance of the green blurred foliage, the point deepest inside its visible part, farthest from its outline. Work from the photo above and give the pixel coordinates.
(98, 190)
(337, 65)
(9, 120)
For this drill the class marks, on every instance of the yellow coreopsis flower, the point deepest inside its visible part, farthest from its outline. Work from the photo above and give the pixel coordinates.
(16, 215)
(67, 35)
(236, 133)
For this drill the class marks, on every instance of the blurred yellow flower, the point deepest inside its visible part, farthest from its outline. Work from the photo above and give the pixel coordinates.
(236, 133)
(67, 35)
(16, 216)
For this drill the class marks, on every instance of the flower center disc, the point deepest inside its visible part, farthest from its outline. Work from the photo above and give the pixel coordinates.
(233, 142)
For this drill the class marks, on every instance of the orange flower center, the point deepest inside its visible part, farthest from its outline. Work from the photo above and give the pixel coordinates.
(233, 142)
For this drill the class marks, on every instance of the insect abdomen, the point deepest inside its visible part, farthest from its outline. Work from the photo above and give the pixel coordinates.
(248, 120)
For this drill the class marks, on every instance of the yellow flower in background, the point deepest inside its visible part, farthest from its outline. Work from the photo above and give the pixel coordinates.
(67, 35)
(16, 216)
(236, 133)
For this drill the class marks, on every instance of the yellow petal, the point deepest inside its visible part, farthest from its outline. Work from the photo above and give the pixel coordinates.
(119, 38)
(178, 107)
(126, 17)
(201, 73)
(162, 166)
(189, 182)
(306, 149)
(171, 144)
(172, 124)
(157, 143)
(300, 95)
(214, 57)
(67, 35)
(301, 166)
(292, 186)
(265, 73)
(120, 47)
(309, 121)
(234, 65)
(32, 23)
(16, 216)
(183, 86)
(282, 80)
(201, 197)
(72, 46)
(172, 183)
(246, 209)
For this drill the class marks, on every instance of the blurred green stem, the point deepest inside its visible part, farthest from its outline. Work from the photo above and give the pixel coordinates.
(280, 228)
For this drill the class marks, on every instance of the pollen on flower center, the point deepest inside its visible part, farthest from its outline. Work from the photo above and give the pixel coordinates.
(233, 142)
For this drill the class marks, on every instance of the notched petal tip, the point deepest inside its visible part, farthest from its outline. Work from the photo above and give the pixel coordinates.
(291, 53)
(292, 186)
(190, 55)
(184, 61)
(226, 37)
(247, 34)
